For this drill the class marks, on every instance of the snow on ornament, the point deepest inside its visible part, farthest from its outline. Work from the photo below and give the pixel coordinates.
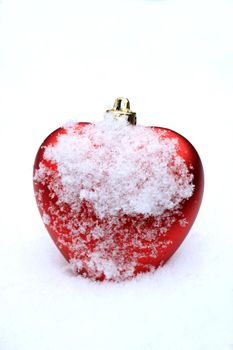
(116, 198)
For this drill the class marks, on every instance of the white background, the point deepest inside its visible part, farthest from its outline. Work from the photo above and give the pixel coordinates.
(62, 60)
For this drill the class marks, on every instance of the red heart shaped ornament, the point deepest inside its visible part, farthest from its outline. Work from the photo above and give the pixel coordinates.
(116, 198)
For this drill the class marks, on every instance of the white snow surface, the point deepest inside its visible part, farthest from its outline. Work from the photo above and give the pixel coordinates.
(61, 60)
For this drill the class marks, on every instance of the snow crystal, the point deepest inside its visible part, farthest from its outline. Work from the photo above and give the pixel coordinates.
(46, 219)
(183, 222)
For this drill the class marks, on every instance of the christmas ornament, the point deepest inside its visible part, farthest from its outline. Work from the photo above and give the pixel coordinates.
(117, 199)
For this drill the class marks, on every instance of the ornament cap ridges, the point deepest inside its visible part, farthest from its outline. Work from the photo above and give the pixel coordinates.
(121, 109)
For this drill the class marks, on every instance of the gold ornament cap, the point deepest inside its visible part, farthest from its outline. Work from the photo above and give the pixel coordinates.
(121, 109)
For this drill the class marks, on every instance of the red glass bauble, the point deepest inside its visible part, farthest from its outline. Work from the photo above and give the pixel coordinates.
(114, 247)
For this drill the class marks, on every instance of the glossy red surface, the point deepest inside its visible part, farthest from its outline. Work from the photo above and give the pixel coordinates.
(120, 243)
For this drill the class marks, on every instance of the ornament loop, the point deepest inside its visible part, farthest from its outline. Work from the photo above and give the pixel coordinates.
(121, 109)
